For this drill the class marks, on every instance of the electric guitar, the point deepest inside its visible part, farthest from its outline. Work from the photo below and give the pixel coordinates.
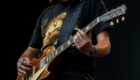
(42, 68)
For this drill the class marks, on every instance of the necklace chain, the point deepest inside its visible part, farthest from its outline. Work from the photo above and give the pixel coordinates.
(63, 11)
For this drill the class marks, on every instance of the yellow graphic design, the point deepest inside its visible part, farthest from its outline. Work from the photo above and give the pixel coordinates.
(53, 29)
(42, 27)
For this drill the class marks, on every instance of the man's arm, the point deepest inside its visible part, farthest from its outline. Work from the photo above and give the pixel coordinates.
(103, 44)
(83, 43)
(31, 53)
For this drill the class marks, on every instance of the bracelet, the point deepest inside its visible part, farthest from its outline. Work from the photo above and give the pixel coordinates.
(92, 54)
(95, 47)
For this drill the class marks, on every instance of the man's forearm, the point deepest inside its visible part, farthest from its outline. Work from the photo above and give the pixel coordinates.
(103, 49)
(31, 53)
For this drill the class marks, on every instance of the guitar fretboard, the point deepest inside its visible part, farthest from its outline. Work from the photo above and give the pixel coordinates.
(68, 43)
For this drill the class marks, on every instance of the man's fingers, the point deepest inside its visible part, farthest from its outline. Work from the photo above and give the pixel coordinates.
(79, 36)
(27, 62)
(76, 39)
(19, 61)
(83, 34)
(21, 72)
(24, 68)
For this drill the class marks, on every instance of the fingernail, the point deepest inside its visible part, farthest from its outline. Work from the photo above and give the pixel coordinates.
(30, 62)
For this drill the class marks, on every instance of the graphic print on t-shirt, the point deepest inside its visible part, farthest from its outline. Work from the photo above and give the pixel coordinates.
(53, 29)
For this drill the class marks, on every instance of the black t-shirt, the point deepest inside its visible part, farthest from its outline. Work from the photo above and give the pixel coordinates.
(74, 64)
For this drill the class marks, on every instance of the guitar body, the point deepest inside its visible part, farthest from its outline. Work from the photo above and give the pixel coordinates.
(47, 73)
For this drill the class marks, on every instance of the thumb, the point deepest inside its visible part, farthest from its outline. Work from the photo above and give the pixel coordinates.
(27, 61)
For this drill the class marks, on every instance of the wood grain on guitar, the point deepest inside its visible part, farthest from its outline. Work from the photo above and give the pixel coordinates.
(44, 66)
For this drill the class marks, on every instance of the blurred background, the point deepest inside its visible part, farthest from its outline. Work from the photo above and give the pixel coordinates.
(18, 19)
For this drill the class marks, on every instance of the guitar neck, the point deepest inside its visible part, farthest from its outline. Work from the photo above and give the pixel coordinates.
(68, 43)
(91, 25)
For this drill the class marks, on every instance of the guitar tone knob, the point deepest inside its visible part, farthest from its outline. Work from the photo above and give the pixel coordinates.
(111, 23)
(117, 21)
(123, 18)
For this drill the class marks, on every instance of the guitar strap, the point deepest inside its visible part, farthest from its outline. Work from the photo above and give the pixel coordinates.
(69, 22)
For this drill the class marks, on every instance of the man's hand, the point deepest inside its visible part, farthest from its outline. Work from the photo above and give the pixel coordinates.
(24, 63)
(83, 42)
(25, 66)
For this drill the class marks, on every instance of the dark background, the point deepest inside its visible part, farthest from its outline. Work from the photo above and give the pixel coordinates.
(18, 20)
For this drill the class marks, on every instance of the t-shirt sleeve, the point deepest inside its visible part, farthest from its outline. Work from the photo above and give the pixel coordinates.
(98, 9)
(36, 39)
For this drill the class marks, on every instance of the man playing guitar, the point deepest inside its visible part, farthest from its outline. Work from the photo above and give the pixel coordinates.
(77, 61)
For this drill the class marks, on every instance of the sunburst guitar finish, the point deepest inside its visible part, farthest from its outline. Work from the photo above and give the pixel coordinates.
(39, 72)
